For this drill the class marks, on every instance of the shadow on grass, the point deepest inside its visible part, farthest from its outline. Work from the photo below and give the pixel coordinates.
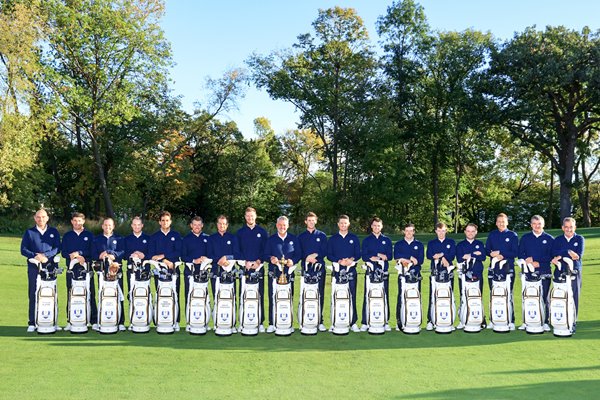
(296, 342)
(565, 389)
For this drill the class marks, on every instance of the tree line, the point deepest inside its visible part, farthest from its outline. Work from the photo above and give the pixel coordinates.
(413, 125)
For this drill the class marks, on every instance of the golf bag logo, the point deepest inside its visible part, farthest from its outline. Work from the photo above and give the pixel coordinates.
(45, 314)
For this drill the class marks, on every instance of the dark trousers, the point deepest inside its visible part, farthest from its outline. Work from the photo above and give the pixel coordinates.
(399, 302)
(93, 305)
(32, 273)
(386, 285)
(322, 294)
(431, 297)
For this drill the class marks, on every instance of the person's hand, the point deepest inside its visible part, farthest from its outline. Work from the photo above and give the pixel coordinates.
(169, 264)
(555, 260)
(413, 260)
(467, 257)
(494, 253)
(500, 257)
(274, 260)
(382, 256)
(573, 255)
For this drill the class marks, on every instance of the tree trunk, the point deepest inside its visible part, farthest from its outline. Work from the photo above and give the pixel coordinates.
(101, 178)
(435, 186)
(456, 199)
(551, 198)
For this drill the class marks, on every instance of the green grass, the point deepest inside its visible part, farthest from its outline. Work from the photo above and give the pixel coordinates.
(125, 365)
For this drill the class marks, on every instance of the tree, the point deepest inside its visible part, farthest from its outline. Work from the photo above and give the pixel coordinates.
(330, 79)
(544, 87)
(19, 120)
(101, 56)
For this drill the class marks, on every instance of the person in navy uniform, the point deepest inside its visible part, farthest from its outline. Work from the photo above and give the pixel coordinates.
(281, 244)
(468, 249)
(135, 245)
(110, 245)
(194, 250)
(41, 242)
(408, 251)
(223, 248)
(252, 239)
(503, 244)
(442, 249)
(344, 248)
(570, 245)
(165, 246)
(535, 248)
(313, 249)
(78, 244)
(377, 247)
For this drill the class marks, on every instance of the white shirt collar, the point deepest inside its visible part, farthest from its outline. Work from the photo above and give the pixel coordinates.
(408, 241)
(40, 230)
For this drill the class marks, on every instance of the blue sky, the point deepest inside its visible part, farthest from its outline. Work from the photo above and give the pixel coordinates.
(210, 37)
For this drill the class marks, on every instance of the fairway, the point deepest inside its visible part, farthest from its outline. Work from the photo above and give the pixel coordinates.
(394, 365)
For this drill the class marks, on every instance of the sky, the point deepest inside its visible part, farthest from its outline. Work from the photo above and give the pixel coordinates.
(209, 37)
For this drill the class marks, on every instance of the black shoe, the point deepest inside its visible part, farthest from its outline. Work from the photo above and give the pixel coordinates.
(484, 324)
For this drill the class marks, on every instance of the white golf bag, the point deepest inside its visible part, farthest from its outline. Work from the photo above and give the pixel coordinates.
(166, 308)
(471, 304)
(341, 299)
(224, 317)
(46, 297)
(375, 299)
(110, 296)
(140, 296)
(411, 316)
(79, 297)
(532, 298)
(250, 301)
(443, 307)
(500, 297)
(283, 316)
(197, 313)
(562, 304)
(309, 306)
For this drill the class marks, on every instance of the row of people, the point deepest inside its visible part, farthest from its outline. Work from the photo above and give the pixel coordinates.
(253, 244)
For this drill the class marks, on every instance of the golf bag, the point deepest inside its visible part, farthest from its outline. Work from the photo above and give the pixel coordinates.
(140, 296)
(341, 299)
(375, 299)
(471, 304)
(500, 297)
(224, 317)
(79, 297)
(562, 303)
(166, 308)
(110, 296)
(283, 317)
(411, 316)
(250, 301)
(197, 313)
(46, 298)
(534, 311)
(309, 306)
(442, 299)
